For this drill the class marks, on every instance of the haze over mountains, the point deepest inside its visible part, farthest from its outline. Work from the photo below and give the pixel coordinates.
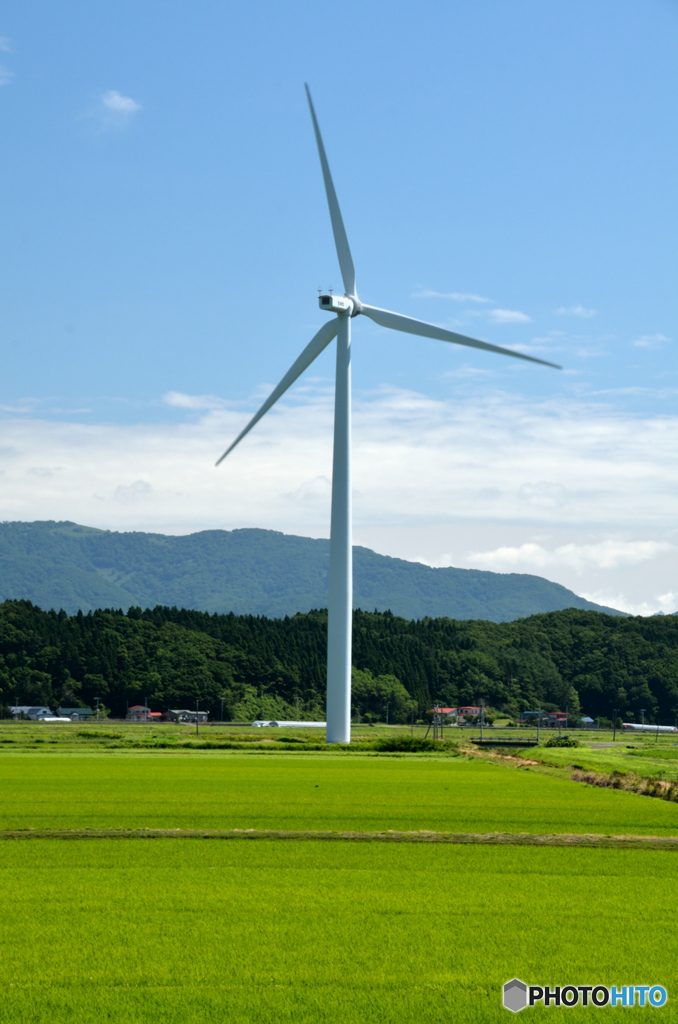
(259, 572)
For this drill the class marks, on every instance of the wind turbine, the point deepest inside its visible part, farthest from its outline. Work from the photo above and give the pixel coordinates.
(347, 306)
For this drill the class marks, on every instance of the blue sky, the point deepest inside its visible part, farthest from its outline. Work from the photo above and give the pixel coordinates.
(505, 168)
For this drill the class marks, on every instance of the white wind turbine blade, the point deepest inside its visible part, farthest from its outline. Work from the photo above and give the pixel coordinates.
(397, 322)
(320, 342)
(340, 239)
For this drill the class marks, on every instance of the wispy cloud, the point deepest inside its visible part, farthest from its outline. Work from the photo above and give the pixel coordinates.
(428, 293)
(651, 341)
(666, 603)
(43, 471)
(607, 554)
(508, 316)
(111, 111)
(416, 460)
(119, 104)
(17, 408)
(576, 311)
(467, 372)
(6, 75)
(179, 400)
(133, 492)
(563, 489)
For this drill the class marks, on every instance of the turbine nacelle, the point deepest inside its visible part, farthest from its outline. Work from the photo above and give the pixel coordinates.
(338, 304)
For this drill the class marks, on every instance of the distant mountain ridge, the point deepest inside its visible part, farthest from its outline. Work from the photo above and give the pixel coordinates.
(248, 571)
(260, 572)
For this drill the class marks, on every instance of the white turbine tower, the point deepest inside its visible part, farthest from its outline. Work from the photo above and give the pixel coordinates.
(340, 607)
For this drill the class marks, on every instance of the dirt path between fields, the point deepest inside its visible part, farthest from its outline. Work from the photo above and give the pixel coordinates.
(466, 838)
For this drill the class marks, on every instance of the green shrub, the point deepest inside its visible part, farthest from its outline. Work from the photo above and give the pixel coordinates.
(562, 741)
(412, 745)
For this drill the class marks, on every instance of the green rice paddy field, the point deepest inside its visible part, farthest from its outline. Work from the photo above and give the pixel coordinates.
(320, 792)
(186, 931)
(169, 930)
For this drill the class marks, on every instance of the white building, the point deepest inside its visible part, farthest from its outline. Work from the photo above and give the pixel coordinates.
(260, 724)
(33, 712)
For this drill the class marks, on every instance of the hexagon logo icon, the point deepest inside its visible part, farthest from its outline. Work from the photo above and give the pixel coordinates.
(515, 995)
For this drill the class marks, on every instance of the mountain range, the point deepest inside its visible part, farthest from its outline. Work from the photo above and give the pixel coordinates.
(250, 571)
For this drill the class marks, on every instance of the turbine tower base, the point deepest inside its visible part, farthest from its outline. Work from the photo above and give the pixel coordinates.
(340, 605)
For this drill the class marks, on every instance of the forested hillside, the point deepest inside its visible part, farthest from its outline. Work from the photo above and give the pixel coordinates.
(249, 572)
(262, 667)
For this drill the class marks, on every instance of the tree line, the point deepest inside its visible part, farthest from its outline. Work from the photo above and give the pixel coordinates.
(247, 667)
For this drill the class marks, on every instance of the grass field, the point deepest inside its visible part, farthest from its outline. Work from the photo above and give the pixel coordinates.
(169, 931)
(647, 759)
(205, 790)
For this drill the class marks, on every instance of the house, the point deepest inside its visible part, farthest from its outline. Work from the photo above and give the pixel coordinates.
(139, 713)
(76, 714)
(461, 712)
(549, 719)
(557, 719)
(183, 715)
(33, 713)
(532, 716)
(587, 723)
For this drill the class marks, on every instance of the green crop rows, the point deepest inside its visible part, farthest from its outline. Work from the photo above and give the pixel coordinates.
(169, 931)
(210, 790)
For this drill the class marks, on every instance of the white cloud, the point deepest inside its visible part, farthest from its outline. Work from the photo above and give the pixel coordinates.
(467, 372)
(320, 487)
(531, 557)
(650, 341)
(6, 75)
(427, 293)
(576, 311)
(118, 104)
(5, 44)
(137, 491)
(509, 316)
(543, 494)
(416, 461)
(182, 401)
(666, 603)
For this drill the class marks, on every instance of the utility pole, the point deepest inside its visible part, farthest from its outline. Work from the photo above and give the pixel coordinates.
(434, 722)
(614, 724)
(539, 724)
(296, 700)
(196, 717)
(642, 716)
(387, 712)
(97, 700)
(222, 709)
(482, 718)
